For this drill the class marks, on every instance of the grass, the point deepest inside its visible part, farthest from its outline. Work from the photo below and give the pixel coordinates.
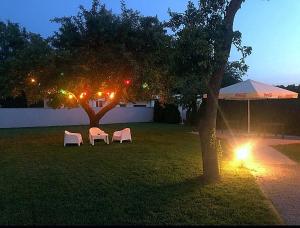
(154, 180)
(290, 150)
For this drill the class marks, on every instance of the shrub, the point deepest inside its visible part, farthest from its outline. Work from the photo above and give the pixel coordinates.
(167, 113)
(157, 115)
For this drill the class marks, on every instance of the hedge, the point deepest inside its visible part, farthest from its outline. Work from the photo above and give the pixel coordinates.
(167, 113)
(262, 112)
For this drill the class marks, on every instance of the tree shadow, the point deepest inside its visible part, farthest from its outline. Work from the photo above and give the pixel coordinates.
(160, 202)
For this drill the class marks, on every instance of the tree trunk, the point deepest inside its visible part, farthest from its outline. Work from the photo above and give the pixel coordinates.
(207, 130)
(94, 121)
(96, 117)
(207, 125)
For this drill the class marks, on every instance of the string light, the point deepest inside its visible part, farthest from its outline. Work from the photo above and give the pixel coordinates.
(99, 94)
(145, 85)
(127, 82)
(32, 80)
(63, 91)
(82, 95)
(112, 95)
(71, 96)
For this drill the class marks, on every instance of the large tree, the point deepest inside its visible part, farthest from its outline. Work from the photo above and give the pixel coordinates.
(292, 87)
(95, 54)
(206, 34)
(190, 53)
(103, 55)
(22, 54)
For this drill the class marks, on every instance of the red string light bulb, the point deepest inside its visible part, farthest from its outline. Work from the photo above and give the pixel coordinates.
(127, 82)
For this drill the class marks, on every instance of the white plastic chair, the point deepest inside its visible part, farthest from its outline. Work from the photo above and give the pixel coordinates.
(72, 138)
(97, 133)
(122, 135)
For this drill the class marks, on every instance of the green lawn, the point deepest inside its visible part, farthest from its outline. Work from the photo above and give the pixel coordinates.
(154, 180)
(290, 150)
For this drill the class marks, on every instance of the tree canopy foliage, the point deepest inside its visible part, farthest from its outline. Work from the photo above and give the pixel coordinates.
(97, 50)
(293, 87)
(198, 50)
(95, 54)
(22, 54)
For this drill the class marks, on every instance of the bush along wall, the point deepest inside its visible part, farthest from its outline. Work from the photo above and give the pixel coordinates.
(166, 113)
(263, 114)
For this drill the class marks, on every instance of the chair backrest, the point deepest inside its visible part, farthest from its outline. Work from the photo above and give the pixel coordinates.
(95, 131)
(126, 131)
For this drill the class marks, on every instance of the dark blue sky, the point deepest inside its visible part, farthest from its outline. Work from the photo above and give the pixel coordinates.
(272, 28)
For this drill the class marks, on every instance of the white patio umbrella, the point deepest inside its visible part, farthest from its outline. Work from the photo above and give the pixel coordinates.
(253, 90)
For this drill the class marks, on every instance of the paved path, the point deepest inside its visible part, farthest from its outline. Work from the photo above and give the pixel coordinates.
(276, 174)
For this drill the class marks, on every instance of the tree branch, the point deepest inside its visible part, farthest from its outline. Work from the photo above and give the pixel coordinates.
(88, 109)
(111, 105)
(231, 11)
(107, 108)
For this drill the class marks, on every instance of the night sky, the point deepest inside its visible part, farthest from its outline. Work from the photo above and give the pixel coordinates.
(272, 28)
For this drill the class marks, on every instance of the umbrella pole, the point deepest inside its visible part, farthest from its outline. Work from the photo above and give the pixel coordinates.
(249, 117)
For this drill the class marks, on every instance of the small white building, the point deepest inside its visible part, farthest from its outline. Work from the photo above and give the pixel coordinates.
(101, 102)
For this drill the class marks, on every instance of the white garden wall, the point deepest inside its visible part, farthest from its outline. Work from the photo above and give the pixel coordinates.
(40, 117)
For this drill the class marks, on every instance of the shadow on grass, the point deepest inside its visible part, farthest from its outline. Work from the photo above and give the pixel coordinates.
(165, 203)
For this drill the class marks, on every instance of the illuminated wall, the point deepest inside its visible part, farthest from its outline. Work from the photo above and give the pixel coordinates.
(41, 117)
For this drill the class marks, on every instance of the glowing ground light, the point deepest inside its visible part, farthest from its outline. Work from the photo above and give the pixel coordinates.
(71, 96)
(32, 80)
(243, 153)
